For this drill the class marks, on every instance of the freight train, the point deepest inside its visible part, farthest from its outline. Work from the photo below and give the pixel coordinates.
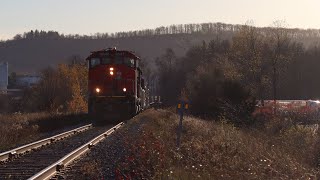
(115, 84)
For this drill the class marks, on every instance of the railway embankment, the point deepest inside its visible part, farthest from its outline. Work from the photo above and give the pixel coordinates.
(145, 148)
(19, 129)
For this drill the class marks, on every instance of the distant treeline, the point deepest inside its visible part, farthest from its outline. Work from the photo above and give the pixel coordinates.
(204, 28)
(225, 76)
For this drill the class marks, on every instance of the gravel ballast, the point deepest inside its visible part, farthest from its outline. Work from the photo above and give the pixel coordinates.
(105, 159)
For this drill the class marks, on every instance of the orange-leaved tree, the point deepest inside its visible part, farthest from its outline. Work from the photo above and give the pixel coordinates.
(75, 78)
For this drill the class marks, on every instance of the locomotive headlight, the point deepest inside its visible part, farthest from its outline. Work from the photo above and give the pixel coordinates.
(124, 89)
(111, 71)
(98, 90)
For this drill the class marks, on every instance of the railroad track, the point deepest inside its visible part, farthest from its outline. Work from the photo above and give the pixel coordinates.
(11, 154)
(44, 162)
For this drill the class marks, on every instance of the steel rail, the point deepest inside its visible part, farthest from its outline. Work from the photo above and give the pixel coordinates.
(57, 166)
(22, 149)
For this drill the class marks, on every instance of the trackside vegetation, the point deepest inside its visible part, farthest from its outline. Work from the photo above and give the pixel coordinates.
(18, 129)
(209, 150)
(57, 102)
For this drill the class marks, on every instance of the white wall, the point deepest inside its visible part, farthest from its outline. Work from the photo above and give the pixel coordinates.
(27, 80)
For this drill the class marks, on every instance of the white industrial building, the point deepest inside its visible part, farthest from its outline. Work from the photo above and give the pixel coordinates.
(3, 76)
(27, 80)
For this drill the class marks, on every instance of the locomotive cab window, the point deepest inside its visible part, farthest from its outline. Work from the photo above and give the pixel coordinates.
(129, 62)
(118, 60)
(94, 62)
(106, 60)
(124, 60)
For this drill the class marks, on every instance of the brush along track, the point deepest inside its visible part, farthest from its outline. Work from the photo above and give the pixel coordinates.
(32, 163)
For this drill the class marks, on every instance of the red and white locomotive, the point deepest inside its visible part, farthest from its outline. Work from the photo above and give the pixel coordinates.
(116, 87)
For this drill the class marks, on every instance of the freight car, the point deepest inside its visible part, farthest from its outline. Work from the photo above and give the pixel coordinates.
(115, 84)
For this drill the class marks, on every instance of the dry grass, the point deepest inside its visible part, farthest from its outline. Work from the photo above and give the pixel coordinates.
(217, 150)
(89, 170)
(17, 129)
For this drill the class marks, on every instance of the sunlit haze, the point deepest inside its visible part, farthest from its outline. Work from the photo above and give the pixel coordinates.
(89, 17)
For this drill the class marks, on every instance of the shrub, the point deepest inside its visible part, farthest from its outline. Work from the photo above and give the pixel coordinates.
(213, 95)
(237, 103)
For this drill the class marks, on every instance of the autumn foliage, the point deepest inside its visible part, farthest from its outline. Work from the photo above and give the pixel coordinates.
(76, 78)
(61, 90)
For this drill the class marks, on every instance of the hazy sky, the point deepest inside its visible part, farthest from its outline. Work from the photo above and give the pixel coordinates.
(91, 16)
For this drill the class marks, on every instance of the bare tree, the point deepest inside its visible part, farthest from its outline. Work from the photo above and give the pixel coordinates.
(279, 52)
(247, 52)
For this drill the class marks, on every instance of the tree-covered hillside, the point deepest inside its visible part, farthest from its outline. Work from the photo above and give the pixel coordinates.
(35, 50)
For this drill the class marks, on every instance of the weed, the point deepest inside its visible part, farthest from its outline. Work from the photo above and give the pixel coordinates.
(218, 150)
